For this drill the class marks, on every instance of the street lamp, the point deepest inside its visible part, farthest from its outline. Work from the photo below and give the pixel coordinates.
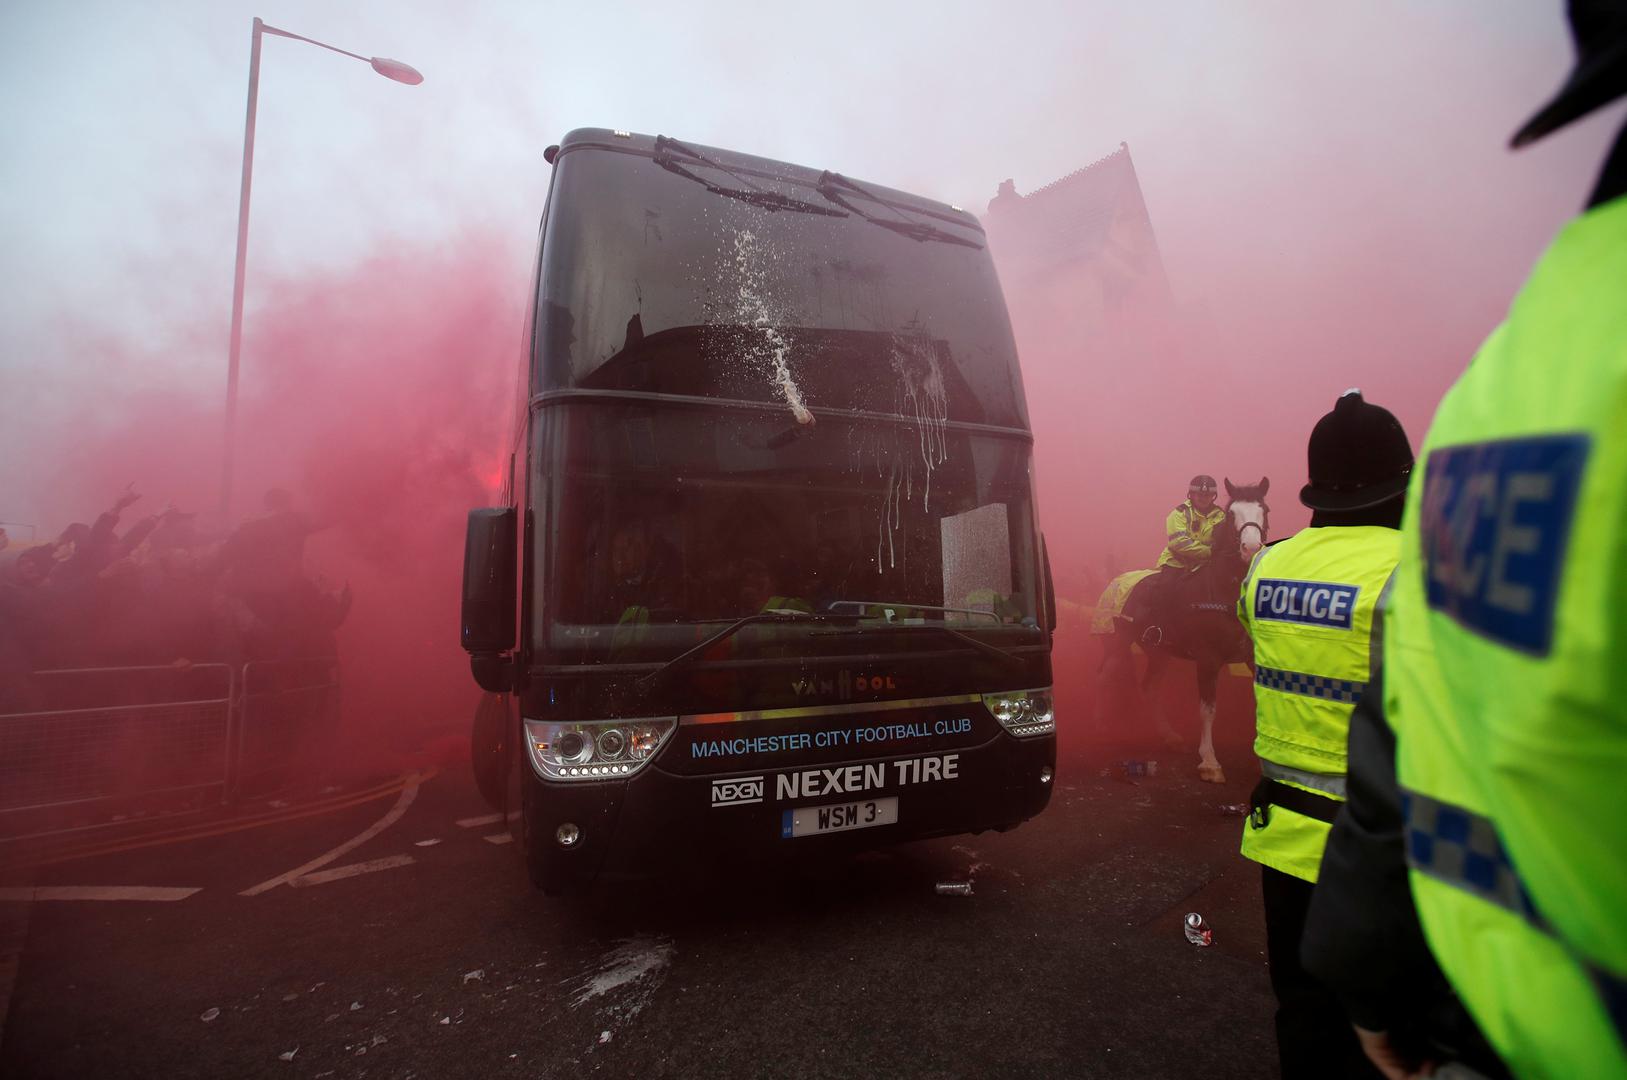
(390, 69)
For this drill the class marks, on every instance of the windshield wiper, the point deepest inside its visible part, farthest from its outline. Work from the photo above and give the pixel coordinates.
(666, 156)
(982, 646)
(862, 607)
(791, 615)
(831, 186)
(775, 615)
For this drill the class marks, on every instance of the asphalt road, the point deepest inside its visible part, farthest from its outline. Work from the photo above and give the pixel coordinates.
(436, 958)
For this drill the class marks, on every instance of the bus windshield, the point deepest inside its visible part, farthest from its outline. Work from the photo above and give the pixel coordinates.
(724, 276)
(666, 522)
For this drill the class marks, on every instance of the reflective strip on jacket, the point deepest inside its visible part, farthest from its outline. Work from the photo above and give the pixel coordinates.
(1505, 653)
(1189, 536)
(1308, 602)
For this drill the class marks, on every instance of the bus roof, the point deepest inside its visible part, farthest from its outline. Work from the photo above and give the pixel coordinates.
(768, 168)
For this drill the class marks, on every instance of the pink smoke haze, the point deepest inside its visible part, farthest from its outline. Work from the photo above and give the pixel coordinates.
(1329, 189)
(378, 397)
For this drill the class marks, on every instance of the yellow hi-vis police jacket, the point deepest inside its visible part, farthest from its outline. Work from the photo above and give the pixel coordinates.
(1505, 668)
(1189, 536)
(1308, 602)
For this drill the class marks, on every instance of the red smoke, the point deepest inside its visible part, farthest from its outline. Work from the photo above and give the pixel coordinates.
(378, 396)
(1139, 377)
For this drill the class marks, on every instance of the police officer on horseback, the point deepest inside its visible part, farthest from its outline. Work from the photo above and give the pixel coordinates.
(1190, 528)
(1189, 533)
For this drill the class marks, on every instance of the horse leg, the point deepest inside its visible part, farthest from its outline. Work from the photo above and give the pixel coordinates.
(1115, 678)
(1156, 663)
(1209, 769)
(1106, 673)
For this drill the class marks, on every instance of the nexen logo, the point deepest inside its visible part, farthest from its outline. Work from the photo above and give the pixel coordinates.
(740, 791)
(1314, 603)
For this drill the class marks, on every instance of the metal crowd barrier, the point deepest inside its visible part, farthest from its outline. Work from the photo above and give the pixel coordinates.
(289, 713)
(99, 745)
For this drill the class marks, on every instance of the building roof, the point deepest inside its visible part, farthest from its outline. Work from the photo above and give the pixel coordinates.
(1071, 218)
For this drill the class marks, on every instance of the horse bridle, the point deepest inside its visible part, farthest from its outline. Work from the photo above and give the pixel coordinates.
(1260, 525)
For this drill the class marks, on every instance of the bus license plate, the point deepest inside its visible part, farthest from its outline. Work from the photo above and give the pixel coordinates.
(808, 820)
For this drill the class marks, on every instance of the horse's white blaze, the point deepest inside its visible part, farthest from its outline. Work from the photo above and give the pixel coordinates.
(1245, 514)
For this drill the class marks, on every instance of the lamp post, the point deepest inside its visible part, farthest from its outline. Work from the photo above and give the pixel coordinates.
(390, 69)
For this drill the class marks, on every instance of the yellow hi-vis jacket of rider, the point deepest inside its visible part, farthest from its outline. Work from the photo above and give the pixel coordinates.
(1189, 536)
(1308, 602)
(1505, 668)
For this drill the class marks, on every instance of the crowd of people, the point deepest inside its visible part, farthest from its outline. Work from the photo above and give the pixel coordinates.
(161, 591)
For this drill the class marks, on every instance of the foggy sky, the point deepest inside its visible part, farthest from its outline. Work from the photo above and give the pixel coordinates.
(1345, 168)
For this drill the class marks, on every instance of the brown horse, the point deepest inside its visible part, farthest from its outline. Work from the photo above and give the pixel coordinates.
(1192, 616)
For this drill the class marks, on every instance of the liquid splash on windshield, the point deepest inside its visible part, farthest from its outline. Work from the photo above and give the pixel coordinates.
(921, 385)
(752, 263)
(920, 393)
(923, 397)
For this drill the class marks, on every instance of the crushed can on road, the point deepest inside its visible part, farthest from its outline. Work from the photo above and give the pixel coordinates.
(954, 888)
(1198, 931)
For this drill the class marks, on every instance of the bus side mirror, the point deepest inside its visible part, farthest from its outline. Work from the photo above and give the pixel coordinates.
(1050, 589)
(489, 571)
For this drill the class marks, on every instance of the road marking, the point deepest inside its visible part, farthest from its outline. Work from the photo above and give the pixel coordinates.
(498, 838)
(408, 794)
(200, 832)
(339, 873)
(95, 892)
(476, 822)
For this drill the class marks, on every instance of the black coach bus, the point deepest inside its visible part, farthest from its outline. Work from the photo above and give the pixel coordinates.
(768, 580)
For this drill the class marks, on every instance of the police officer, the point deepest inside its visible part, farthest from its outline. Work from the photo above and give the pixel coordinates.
(1189, 534)
(1308, 602)
(1190, 527)
(1494, 772)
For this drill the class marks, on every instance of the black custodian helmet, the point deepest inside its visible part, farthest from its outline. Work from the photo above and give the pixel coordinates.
(1202, 482)
(1599, 29)
(1358, 457)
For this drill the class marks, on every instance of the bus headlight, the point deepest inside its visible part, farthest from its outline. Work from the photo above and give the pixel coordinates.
(1024, 713)
(594, 749)
(612, 741)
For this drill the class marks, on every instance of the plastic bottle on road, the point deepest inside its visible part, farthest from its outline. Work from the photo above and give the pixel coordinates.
(1197, 931)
